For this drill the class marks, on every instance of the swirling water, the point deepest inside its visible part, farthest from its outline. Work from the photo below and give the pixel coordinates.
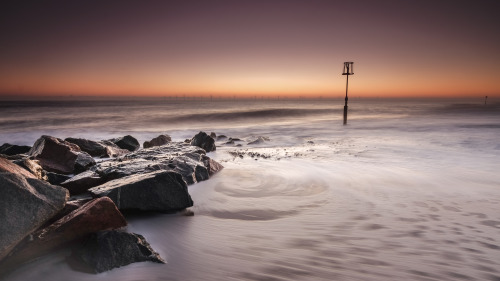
(409, 189)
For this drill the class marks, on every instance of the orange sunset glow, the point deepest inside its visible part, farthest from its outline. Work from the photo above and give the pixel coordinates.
(247, 48)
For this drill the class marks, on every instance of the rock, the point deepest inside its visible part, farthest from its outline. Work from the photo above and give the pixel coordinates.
(8, 166)
(174, 156)
(68, 208)
(106, 250)
(159, 140)
(112, 150)
(221, 137)
(127, 142)
(83, 162)
(212, 165)
(163, 191)
(96, 215)
(93, 148)
(25, 205)
(213, 135)
(259, 140)
(33, 167)
(55, 178)
(58, 156)
(204, 141)
(12, 149)
(82, 182)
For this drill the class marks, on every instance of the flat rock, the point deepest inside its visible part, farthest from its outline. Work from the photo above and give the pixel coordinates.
(163, 191)
(90, 217)
(55, 178)
(106, 250)
(174, 156)
(127, 142)
(12, 149)
(25, 205)
(204, 141)
(158, 141)
(82, 182)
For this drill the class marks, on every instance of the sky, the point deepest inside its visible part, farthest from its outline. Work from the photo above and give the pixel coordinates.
(404, 48)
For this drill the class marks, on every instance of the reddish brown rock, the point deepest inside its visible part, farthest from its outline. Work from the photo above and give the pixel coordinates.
(212, 165)
(8, 166)
(96, 215)
(159, 140)
(59, 156)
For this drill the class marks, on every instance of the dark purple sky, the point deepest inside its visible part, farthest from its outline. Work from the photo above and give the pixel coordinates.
(400, 47)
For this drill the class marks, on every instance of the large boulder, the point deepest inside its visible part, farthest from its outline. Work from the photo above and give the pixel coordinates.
(12, 149)
(25, 205)
(93, 148)
(127, 142)
(159, 140)
(59, 156)
(204, 141)
(96, 215)
(8, 166)
(163, 191)
(106, 250)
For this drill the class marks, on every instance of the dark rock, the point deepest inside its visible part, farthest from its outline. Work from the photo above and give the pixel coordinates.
(12, 149)
(159, 140)
(25, 204)
(55, 178)
(106, 250)
(8, 166)
(55, 155)
(83, 162)
(96, 215)
(259, 140)
(204, 141)
(163, 191)
(229, 142)
(33, 167)
(93, 148)
(82, 182)
(221, 137)
(234, 139)
(127, 142)
(213, 135)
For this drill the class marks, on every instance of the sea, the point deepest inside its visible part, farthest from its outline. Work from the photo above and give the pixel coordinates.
(408, 189)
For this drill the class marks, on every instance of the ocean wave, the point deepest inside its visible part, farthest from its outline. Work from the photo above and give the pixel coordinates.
(248, 114)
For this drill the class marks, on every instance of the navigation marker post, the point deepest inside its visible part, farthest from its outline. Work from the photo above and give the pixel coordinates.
(348, 70)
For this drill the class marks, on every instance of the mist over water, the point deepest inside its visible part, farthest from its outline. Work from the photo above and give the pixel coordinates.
(409, 189)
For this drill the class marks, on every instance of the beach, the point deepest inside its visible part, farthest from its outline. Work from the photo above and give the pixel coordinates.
(408, 189)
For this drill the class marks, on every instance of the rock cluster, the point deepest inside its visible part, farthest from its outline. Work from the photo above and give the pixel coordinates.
(38, 214)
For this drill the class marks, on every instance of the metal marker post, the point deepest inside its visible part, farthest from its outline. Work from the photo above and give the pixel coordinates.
(348, 70)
